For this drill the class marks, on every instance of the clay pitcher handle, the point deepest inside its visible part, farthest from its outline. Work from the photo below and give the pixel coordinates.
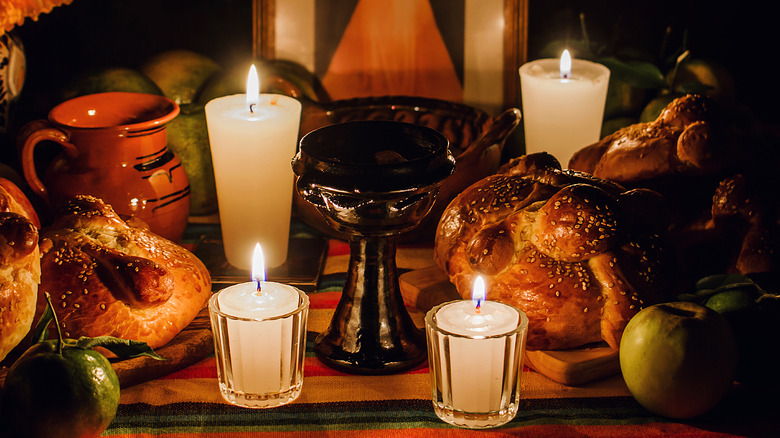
(31, 135)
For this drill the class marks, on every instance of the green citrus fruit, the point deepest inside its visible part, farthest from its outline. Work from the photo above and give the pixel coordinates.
(188, 137)
(623, 99)
(653, 109)
(705, 72)
(70, 395)
(110, 79)
(180, 74)
(611, 125)
(731, 300)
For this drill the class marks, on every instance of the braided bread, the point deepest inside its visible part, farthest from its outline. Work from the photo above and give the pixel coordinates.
(579, 255)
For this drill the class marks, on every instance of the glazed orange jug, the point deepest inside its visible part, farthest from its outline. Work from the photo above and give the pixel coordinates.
(114, 147)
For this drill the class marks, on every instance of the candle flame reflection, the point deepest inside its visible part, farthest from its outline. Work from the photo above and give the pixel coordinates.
(478, 293)
(565, 65)
(252, 89)
(258, 266)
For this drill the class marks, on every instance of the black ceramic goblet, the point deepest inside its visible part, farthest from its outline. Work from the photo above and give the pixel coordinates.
(372, 180)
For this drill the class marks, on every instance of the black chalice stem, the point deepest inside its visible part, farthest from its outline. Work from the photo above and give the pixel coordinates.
(372, 180)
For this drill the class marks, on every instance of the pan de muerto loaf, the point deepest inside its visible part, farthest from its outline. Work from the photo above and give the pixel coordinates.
(717, 179)
(116, 278)
(579, 255)
(688, 137)
(20, 266)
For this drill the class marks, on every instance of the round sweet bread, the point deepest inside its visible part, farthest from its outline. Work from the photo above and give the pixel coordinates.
(579, 255)
(108, 276)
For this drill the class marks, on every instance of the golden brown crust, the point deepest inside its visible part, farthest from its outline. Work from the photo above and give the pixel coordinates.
(723, 217)
(20, 269)
(562, 246)
(742, 207)
(686, 138)
(14, 200)
(110, 277)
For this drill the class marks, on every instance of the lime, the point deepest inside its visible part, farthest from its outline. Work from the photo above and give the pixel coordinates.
(180, 74)
(59, 395)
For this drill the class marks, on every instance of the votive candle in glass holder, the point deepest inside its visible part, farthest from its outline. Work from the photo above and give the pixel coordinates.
(260, 339)
(475, 354)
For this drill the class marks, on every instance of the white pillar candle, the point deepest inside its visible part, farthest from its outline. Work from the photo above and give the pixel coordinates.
(476, 363)
(563, 105)
(253, 139)
(260, 348)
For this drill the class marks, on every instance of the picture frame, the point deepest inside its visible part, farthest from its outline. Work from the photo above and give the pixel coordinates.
(488, 36)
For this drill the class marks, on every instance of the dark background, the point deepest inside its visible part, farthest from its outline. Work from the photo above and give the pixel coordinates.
(742, 36)
(91, 34)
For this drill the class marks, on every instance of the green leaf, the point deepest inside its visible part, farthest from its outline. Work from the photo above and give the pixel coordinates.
(638, 74)
(123, 348)
(41, 333)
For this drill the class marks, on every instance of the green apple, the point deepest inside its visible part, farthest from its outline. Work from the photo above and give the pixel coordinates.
(188, 137)
(678, 359)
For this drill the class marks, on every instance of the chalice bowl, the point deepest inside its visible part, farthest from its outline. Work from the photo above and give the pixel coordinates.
(372, 180)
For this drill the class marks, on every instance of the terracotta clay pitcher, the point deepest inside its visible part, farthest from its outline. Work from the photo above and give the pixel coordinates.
(115, 148)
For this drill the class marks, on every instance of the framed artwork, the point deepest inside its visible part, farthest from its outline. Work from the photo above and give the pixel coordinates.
(465, 51)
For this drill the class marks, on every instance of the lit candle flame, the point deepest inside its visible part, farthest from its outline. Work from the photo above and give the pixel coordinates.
(478, 293)
(565, 65)
(252, 89)
(258, 266)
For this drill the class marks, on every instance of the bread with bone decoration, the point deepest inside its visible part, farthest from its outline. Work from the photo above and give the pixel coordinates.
(578, 254)
(108, 276)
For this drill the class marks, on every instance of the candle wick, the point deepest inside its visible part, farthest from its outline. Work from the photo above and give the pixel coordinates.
(259, 286)
(479, 304)
(252, 110)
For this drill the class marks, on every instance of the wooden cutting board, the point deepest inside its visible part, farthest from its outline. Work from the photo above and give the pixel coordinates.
(428, 287)
(191, 345)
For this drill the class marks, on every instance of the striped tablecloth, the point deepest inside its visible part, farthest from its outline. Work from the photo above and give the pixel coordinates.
(188, 403)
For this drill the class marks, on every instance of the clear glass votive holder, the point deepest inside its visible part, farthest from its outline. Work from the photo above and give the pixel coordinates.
(475, 380)
(260, 360)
